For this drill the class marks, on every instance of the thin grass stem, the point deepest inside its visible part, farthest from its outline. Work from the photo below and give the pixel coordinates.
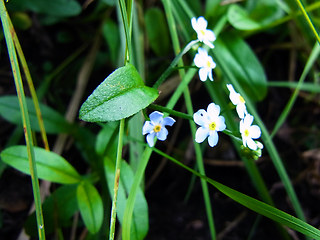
(25, 118)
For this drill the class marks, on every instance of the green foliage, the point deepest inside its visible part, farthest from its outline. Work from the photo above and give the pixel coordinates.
(140, 220)
(90, 206)
(235, 56)
(50, 166)
(119, 96)
(54, 122)
(157, 31)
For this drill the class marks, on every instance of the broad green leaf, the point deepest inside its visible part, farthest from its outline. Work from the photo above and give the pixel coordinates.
(268, 211)
(50, 166)
(90, 205)
(235, 56)
(257, 15)
(54, 122)
(157, 31)
(106, 135)
(140, 212)
(119, 96)
(58, 210)
(57, 8)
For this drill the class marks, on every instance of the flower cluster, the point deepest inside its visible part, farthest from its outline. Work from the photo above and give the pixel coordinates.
(210, 122)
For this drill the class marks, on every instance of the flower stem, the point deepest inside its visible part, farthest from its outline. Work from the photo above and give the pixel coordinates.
(116, 181)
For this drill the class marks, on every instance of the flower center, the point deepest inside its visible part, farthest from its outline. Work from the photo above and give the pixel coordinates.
(202, 32)
(157, 128)
(246, 133)
(242, 99)
(212, 126)
(208, 63)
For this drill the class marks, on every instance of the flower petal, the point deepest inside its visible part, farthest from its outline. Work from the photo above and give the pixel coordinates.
(210, 35)
(202, 23)
(201, 117)
(150, 139)
(156, 117)
(210, 75)
(168, 121)
(203, 74)
(241, 110)
(248, 119)
(255, 131)
(194, 23)
(251, 144)
(199, 61)
(220, 123)
(201, 134)
(213, 138)
(162, 135)
(147, 128)
(210, 45)
(213, 110)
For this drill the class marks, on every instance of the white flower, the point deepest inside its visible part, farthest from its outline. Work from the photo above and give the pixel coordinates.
(204, 35)
(210, 123)
(238, 101)
(156, 127)
(203, 61)
(249, 132)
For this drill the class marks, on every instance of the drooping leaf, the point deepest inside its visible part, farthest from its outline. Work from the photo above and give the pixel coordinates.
(157, 31)
(90, 205)
(119, 96)
(58, 210)
(140, 213)
(50, 166)
(236, 57)
(268, 211)
(54, 122)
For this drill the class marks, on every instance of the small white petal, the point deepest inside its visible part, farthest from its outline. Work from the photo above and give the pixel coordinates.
(220, 124)
(210, 75)
(241, 110)
(194, 23)
(202, 23)
(213, 110)
(150, 139)
(201, 117)
(162, 135)
(201, 134)
(199, 61)
(242, 126)
(147, 127)
(248, 119)
(168, 121)
(210, 45)
(213, 138)
(255, 131)
(156, 117)
(210, 35)
(251, 144)
(203, 74)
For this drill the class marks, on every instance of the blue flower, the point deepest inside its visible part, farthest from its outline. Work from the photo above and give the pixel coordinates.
(210, 123)
(156, 127)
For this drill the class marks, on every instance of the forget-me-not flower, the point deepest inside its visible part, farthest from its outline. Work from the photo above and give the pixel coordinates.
(205, 62)
(204, 35)
(210, 123)
(156, 127)
(238, 101)
(249, 132)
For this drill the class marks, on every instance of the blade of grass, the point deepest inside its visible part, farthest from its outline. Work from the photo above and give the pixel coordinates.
(312, 58)
(308, 19)
(309, 87)
(25, 117)
(176, 46)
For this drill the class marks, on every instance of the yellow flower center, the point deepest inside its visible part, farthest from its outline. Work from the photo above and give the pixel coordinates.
(246, 133)
(242, 99)
(157, 128)
(202, 32)
(212, 126)
(208, 63)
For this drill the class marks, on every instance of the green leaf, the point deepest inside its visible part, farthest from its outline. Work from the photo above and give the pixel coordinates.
(235, 56)
(58, 8)
(259, 14)
(54, 122)
(157, 31)
(58, 209)
(140, 211)
(50, 166)
(268, 211)
(119, 96)
(90, 205)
